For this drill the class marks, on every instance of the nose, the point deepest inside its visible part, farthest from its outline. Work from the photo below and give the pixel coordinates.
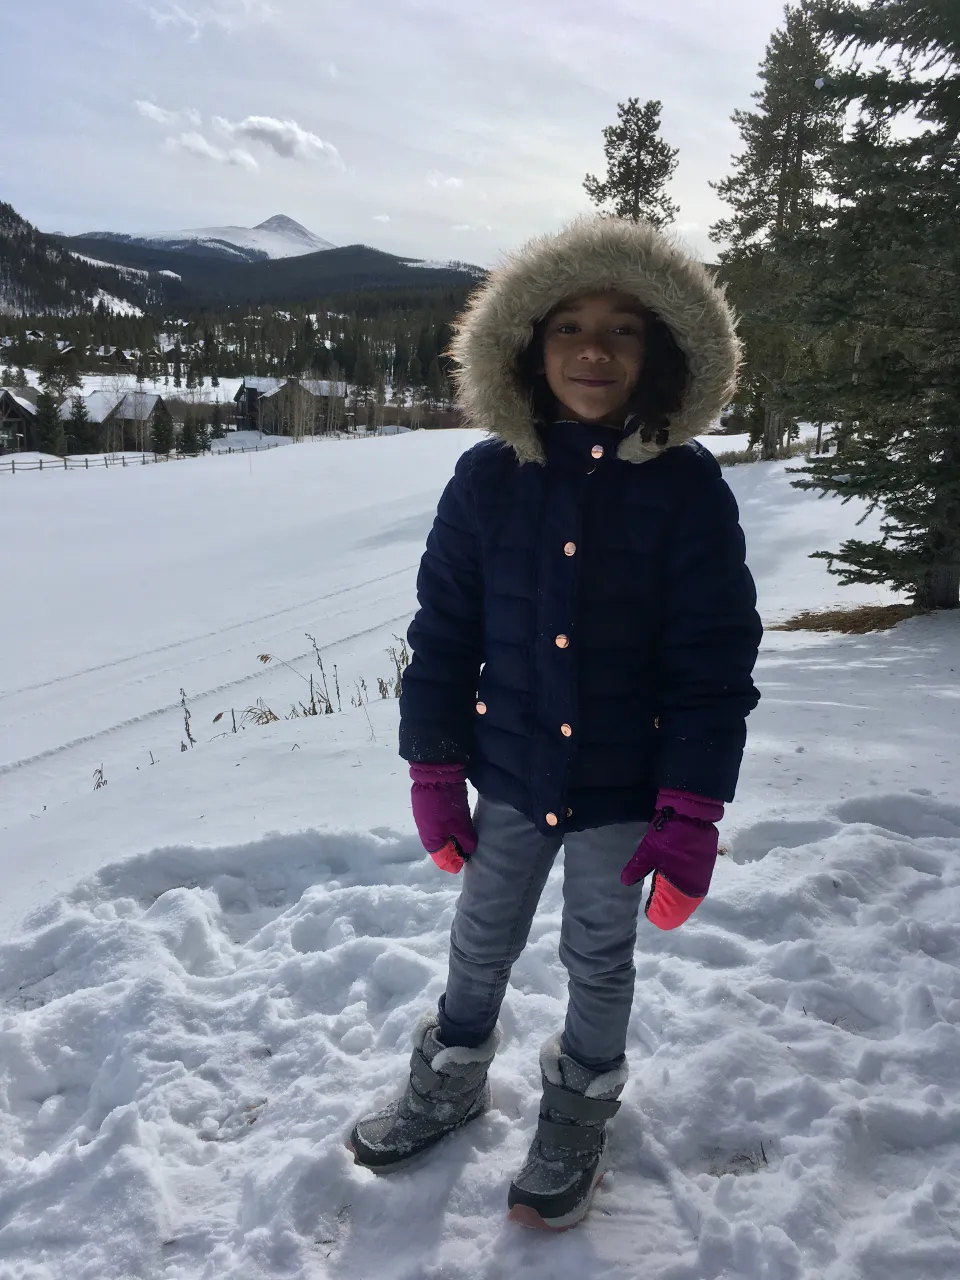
(594, 350)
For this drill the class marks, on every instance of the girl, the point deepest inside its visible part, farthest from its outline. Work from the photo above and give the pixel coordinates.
(583, 655)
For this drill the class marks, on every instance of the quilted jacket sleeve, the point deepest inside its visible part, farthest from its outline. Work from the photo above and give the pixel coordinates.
(446, 635)
(710, 635)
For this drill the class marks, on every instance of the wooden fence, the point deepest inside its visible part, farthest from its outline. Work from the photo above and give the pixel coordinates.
(96, 462)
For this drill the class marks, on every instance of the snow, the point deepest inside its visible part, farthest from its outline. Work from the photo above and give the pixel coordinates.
(20, 399)
(317, 386)
(110, 266)
(210, 966)
(134, 405)
(119, 306)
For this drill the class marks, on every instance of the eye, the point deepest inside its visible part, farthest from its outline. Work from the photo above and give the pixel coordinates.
(627, 329)
(567, 326)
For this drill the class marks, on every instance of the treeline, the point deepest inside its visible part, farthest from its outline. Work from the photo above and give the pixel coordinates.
(841, 253)
(368, 339)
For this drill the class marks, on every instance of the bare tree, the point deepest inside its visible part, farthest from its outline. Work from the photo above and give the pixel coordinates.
(114, 387)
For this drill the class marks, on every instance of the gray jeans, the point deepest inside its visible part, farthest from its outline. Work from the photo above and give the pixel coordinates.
(502, 883)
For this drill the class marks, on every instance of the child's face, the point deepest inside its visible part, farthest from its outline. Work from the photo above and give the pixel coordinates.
(593, 348)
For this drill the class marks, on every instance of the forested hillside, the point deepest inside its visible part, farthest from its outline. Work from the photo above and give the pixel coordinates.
(198, 278)
(39, 276)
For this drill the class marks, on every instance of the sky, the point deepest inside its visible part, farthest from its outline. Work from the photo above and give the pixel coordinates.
(435, 128)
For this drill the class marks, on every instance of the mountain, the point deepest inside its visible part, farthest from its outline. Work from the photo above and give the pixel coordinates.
(277, 237)
(204, 279)
(39, 275)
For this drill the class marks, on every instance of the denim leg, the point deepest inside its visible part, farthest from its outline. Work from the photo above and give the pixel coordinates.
(502, 883)
(597, 940)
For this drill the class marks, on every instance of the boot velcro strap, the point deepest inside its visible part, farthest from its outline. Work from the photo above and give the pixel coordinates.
(435, 1084)
(423, 1075)
(577, 1106)
(572, 1137)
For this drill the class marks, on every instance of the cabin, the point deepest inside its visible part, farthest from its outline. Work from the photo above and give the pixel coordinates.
(126, 423)
(290, 406)
(18, 416)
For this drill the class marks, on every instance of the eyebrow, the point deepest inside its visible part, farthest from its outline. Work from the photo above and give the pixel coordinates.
(574, 310)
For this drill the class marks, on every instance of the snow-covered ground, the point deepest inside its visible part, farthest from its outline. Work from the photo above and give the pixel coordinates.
(211, 964)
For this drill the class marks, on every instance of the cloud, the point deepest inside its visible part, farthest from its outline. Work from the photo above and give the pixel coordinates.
(436, 179)
(468, 226)
(381, 217)
(195, 144)
(160, 115)
(227, 15)
(284, 137)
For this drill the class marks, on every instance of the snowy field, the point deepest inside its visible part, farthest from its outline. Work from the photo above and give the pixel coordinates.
(210, 965)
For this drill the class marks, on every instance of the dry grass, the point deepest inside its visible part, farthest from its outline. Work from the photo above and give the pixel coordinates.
(852, 622)
(737, 457)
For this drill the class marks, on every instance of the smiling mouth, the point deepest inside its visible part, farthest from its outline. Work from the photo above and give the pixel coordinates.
(594, 382)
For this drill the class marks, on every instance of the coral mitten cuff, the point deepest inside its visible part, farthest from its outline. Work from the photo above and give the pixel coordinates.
(441, 811)
(680, 848)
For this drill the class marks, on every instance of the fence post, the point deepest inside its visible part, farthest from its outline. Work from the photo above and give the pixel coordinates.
(64, 464)
(41, 464)
(86, 464)
(105, 464)
(123, 459)
(13, 466)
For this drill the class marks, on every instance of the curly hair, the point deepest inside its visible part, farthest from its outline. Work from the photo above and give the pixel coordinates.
(657, 396)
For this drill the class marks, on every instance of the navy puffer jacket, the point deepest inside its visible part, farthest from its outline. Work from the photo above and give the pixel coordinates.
(587, 626)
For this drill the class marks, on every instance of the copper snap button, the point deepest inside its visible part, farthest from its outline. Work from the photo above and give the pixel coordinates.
(562, 642)
(596, 451)
(570, 549)
(552, 819)
(566, 731)
(481, 708)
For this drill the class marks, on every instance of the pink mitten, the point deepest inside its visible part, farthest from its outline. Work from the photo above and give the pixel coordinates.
(680, 848)
(442, 813)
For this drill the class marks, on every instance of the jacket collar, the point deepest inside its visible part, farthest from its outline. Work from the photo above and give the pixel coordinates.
(572, 445)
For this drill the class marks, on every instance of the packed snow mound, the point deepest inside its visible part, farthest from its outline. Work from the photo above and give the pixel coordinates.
(188, 1037)
(277, 237)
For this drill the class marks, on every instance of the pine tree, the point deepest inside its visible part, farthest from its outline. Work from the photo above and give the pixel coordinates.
(177, 364)
(51, 437)
(188, 435)
(217, 429)
(162, 431)
(639, 166)
(435, 383)
(364, 376)
(81, 432)
(776, 192)
(885, 273)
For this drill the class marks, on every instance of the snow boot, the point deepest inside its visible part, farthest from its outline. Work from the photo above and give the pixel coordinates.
(566, 1159)
(447, 1088)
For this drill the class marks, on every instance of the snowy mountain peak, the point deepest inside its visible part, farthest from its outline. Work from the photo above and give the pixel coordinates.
(278, 237)
(282, 225)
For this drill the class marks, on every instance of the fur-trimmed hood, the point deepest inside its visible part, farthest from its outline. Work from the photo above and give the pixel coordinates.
(592, 254)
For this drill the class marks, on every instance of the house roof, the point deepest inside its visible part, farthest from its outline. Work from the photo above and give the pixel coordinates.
(270, 386)
(20, 400)
(134, 406)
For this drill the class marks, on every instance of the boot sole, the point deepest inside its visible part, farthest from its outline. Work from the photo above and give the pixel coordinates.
(526, 1216)
(396, 1165)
